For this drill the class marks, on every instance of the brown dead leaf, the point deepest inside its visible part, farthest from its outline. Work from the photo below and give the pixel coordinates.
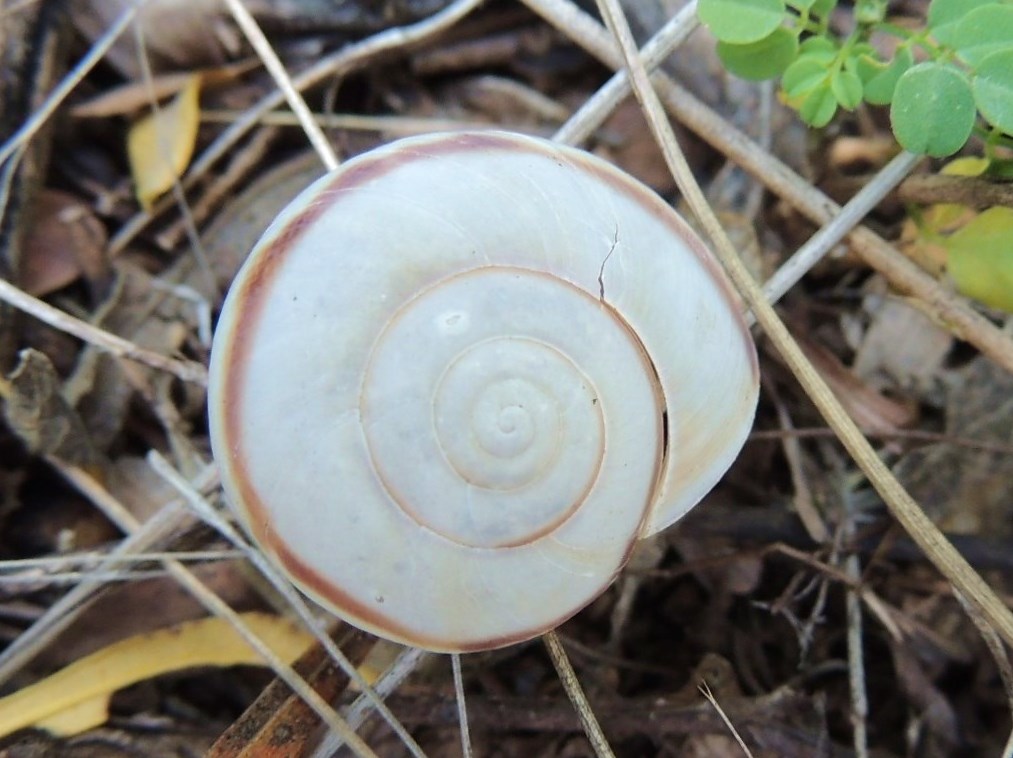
(64, 241)
(101, 386)
(872, 411)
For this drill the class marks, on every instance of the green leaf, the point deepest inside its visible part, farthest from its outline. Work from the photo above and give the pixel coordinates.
(983, 31)
(1000, 168)
(992, 85)
(847, 88)
(933, 109)
(763, 59)
(818, 49)
(741, 21)
(880, 79)
(980, 258)
(818, 107)
(803, 76)
(944, 15)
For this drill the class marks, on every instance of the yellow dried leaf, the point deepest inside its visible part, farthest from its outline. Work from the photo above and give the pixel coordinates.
(161, 144)
(76, 698)
(980, 258)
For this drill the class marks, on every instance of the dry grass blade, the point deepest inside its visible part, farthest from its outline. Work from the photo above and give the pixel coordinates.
(273, 63)
(904, 508)
(705, 690)
(462, 706)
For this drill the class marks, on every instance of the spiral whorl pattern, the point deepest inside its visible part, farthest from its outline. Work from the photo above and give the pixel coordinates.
(442, 384)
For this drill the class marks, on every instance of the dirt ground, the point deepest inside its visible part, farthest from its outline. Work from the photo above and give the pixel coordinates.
(788, 614)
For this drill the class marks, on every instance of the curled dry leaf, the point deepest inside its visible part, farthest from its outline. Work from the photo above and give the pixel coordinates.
(42, 418)
(965, 489)
(161, 143)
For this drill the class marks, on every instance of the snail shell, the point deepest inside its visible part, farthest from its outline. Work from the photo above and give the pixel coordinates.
(459, 377)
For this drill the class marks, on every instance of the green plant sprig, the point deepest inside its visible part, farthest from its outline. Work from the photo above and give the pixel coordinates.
(961, 82)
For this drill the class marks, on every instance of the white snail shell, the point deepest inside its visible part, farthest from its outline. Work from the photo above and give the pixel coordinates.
(459, 377)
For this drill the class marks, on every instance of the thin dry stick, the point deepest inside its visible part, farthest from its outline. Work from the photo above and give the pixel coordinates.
(462, 707)
(856, 654)
(925, 533)
(218, 607)
(821, 243)
(568, 678)
(165, 150)
(941, 304)
(803, 500)
(1001, 656)
(251, 29)
(93, 557)
(188, 371)
(357, 713)
(391, 125)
